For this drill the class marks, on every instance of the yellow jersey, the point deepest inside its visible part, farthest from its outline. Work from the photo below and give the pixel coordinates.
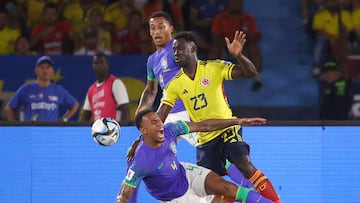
(324, 20)
(203, 97)
(356, 18)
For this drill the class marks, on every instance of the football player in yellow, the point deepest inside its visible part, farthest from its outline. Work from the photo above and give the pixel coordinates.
(199, 85)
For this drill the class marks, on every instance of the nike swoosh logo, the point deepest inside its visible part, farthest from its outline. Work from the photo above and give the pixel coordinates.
(160, 166)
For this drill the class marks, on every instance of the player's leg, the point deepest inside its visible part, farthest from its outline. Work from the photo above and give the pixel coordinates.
(209, 156)
(205, 182)
(237, 152)
(237, 176)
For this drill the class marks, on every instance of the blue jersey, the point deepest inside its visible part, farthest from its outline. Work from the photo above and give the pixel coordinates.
(41, 104)
(164, 177)
(161, 66)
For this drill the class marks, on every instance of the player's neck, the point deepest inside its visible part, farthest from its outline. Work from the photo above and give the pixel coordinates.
(102, 78)
(151, 143)
(43, 83)
(160, 47)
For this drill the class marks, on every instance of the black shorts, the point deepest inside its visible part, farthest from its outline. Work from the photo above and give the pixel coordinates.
(227, 145)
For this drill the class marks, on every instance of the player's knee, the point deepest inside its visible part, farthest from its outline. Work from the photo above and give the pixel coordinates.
(245, 166)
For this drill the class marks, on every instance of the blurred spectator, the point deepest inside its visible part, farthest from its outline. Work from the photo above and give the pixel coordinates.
(54, 36)
(22, 46)
(41, 99)
(308, 9)
(134, 39)
(356, 21)
(332, 34)
(202, 13)
(152, 6)
(16, 13)
(225, 24)
(77, 13)
(336, 93)
(96, 20)
(8, 35)
(34, 8)
(107, 96)
(116, 14)
(91, 44)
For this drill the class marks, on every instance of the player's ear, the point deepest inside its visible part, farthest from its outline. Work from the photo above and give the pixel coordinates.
(171, 28)
(193, 48)
(143, 131)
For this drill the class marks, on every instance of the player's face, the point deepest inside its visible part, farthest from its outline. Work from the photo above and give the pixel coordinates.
(100, 66)
(153, 128)
(44, 71)
(160, 31)
(50, 16)
(182, 52)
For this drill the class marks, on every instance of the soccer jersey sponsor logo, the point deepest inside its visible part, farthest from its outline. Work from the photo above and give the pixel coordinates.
(205, 82)
(98, 95)
(43, 105)
(53, 98)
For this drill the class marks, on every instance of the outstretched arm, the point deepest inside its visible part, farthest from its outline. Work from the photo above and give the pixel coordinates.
(246, 68)
(217, 124)
(148, 96)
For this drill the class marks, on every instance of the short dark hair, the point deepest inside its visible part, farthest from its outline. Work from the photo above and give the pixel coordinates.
(162, 14)
(186, 35)
(140, 115)
(50, 6)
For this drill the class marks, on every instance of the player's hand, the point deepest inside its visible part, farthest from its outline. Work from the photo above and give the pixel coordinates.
(252, 121)
(236, 46)
(131, 152)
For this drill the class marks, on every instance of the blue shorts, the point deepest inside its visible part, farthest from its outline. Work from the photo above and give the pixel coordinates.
(227, 145)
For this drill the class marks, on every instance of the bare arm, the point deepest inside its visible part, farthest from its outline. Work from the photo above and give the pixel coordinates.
(148, 96)
(124, 194)
(69, 113)
(246, 68)
(217, 124)
(125, 112)
(10, 113)
(163, 111)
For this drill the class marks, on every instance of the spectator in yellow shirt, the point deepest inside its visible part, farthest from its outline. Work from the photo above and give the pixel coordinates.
(356, 20)
(116, 14)
(77, 13)
(96, 20)
(8, 35)
(34, 10)
(327, 28)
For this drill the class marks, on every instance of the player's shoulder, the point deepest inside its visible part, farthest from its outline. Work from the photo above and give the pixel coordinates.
(212, 62)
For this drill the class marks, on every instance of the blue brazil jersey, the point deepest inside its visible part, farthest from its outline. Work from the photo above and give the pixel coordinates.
(161, 66)
(164, 177)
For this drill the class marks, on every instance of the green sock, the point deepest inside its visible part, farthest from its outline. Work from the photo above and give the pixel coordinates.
(227, 164)
(242, 193)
